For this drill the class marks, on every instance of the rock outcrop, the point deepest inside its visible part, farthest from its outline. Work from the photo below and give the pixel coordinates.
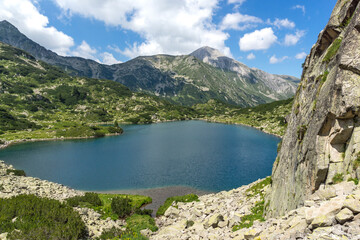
(322, 141)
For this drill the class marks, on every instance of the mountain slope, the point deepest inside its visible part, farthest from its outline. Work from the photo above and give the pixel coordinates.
(185, 80)
(40, 101)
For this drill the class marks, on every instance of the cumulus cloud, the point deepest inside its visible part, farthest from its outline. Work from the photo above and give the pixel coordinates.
(251, 56)
(26, 17)
(258, 40)
(293, 39)
(301, 55)
(238, 21)
(274, 59)
(173, 27)
(283, 23)
(301, 7)
(109, 59)
(85, 51)
(238, 2)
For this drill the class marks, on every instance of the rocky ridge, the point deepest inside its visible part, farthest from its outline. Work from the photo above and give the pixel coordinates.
(185, 80)
(322, 140)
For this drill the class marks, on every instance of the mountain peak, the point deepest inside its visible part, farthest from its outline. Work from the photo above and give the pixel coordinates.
(8, 25)
(207, 53)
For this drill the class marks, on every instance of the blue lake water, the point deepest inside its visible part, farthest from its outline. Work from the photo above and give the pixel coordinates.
(205, 156)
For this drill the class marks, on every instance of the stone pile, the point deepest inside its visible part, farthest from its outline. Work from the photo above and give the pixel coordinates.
(333, 212)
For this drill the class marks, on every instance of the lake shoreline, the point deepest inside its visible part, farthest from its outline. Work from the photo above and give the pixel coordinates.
(159, 194)
(19, 141)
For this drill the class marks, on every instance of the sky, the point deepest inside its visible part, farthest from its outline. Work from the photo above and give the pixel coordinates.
(272, 35)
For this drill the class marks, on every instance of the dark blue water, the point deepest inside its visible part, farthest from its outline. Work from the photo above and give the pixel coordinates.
(206, 156)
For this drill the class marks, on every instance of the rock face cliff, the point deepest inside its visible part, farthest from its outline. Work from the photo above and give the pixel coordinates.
(322, 141)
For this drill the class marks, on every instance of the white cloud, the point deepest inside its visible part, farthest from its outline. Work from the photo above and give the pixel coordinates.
(85, 51)
(301, 7)
(27, 18)
(238, 2)
(258, 40)
(233, 21)
(301, 55)
(283, 23)
(274, 59)
(251, 56)
(293, 39)
(109, 59)
(173, 27)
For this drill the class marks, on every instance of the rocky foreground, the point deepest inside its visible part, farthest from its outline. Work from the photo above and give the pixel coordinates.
(11, 185)
(333, 212)
(330, 213)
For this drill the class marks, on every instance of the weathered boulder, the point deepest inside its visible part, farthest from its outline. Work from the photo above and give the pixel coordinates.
(344, 216)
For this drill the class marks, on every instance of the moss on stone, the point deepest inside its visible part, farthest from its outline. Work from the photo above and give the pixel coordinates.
(332, 50)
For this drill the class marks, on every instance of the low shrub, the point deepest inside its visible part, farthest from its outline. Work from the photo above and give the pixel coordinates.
(31, 217)
(121, 206)
(143, 211)
(186, 198)
(16, 172)
(89, 198)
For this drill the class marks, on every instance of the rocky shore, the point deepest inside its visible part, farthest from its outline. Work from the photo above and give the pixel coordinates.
(332, 212)
(11, 185)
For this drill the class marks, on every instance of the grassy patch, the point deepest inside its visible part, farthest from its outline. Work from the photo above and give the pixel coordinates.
(258, 187)
(338, 178)
(355, 180)
(138, 222)
(247, 221)
(332, 50)
(137, 201)
(186, 198)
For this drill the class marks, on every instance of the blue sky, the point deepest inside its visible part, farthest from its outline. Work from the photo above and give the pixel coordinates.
(272, 35)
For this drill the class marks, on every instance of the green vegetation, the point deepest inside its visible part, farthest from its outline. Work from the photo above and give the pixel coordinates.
(139, 222)
(121, 206)
(89, 199)
(268, 117)
(39, 101)
(356, 162)
(16, 172)
(355, 180)
(332, 50)
(39, 218)
(257, 188)
(186, 198)
(257, 211)
(189, 223)
(116, 234)
(338, 178)
(247, 221)
(301, 132)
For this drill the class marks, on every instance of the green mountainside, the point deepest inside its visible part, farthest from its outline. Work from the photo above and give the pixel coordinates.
(185, 80)
(38, 100)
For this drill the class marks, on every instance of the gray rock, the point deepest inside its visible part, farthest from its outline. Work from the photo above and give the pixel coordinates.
(344, 215)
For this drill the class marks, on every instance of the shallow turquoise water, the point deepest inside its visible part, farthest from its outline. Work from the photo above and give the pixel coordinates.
(206, 156)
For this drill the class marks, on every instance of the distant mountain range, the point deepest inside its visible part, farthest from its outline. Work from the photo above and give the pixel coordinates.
(189, 79)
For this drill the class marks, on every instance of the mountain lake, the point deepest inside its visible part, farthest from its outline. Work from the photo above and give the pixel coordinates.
(196, 154)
